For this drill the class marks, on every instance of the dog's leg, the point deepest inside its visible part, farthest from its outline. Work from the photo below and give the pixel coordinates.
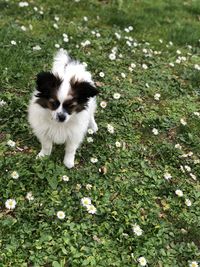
(92, 124)
(46, 147)
(70, 150)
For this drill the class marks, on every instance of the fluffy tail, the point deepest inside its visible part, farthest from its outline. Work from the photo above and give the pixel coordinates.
(61, 60)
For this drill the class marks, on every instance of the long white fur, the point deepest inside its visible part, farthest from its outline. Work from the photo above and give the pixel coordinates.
(72, 131)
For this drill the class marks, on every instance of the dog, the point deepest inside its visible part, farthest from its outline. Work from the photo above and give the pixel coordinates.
(62, 107)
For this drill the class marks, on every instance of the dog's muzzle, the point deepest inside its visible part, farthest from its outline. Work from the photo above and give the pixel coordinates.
(61, 117)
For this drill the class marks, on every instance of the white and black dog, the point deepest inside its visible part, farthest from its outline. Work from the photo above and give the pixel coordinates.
(62, 107)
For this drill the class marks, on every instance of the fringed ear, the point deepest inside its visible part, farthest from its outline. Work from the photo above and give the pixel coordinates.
(47, 82)
(83, 91)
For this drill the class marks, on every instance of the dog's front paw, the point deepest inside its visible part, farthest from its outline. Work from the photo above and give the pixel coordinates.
(40, 155)
(69, 163)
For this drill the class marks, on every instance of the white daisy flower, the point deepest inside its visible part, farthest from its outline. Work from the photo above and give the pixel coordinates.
(126, 30)
(133, 65)
(35, 8)
(86, 201)
(91, 209)
(90, 140)
(130, 28)
(61, 215)
(179, 193)
(187, 168)
(10, 204)
(90, 131)
(66, 39)
(157, 96)
(15, 175)
(55, 25)
(178, 52)
(130, 69)
(197, 67)
(193, 176)
(178, 61)
(23, 4)
(183, 122)
(13, 42)
(144, 66)
(137, 230)
(103, 104)
(56, 18)
(170, 43)
(86, 43)
(23, 28)
(161, 41)
(171, 64)
(98, 35)
(167, 176)
(11, 143)
(110, 128)
(29, 196)
(2, 103)
(65, 178)
(155, 131)
(142, 261)
(94, 160)
(85, 18)
(57, 46)
(188, 202)
(101, 74)
(123, 75)
(88, 187)
(118, 144)
(117, 35)
(112, 56)
(36, 48)
(78, 187)
(178, 146)
(196, 113)
(194, 264)
(116, 96)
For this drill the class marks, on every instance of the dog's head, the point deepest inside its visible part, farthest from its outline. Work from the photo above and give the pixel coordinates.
(63, 98)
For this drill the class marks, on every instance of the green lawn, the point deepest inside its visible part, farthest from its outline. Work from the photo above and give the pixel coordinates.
(155, 47)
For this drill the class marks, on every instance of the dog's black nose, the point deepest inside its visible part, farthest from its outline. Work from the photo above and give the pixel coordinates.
(61, 117)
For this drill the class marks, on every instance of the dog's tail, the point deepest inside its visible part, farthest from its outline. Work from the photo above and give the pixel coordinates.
(61, 60)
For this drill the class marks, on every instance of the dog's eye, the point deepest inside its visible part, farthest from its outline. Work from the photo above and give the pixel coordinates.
(54, 103)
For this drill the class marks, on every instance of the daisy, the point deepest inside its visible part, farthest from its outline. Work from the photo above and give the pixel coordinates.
(117, 35)
(55, 25)
(91, 209)
(86, 201)
(56, 18)
(10, 204)
(103, 104)
(155, 131)
(193, 176)
(101, 74)
(157, 96)
(178, 52)
(2, 103)
(13, 42)
(188, 202)
(90, 131)
(61, 215)
(194, 264)
(179, 193)
(171, 64)
(94, 160)
(23, 28)
(88, 186)
(15, 175)
(187, 168)
(116, 96)
(118, 144)
(98, 35)
(161, 41)
(133, 65)
(57, 46)
(144, 66)
(65, 178)
(178, 146)
(78, 187)
(130, 28)
(123, 75)
(110, 128)
(197, 67)
(85, 18)
(142, 261)
(36, 48)
(112, 56)
(11, 143)
(196, 113)
(90, 140)
(23, 4)
(167, 176)
(137, 230)
(183, 122)
(29, 196)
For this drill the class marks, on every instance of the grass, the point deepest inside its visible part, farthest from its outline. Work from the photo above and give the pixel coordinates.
(128, 184)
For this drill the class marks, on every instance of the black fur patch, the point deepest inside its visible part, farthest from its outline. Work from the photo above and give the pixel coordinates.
(47, 84)
(82, 91)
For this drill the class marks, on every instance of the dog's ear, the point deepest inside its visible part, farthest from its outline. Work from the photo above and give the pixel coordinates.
(83, 91)
(47, 82)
